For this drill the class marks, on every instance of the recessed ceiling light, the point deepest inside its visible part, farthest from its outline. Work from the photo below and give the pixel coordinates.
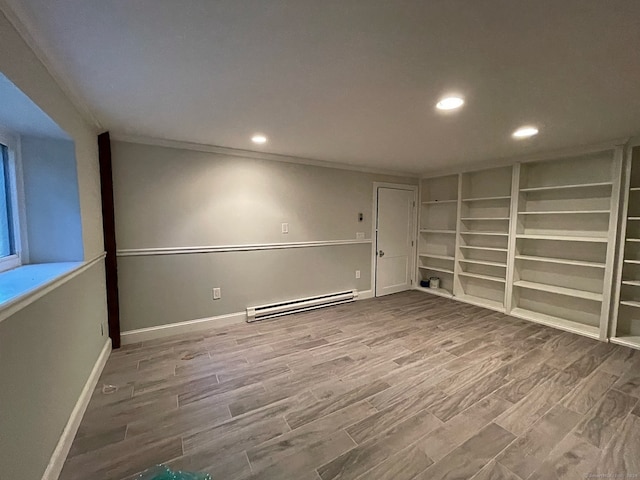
(525, 132)
(450, 103)
(259, 139)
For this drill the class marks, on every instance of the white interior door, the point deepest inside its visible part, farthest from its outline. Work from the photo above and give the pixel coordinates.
(394, 235)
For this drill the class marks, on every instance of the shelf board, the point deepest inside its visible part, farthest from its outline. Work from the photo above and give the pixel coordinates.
(430, 230)
(494, 234)
(563, 238)
(436, 291)
(566, 187)
(436, 269)
(632, 341)
(630, 303)
(633, 239)
(633, 262)
(569, 292)
(432, 255)
(436, 202)
(566, 212)
(482, 277)
(557, 322)
(484, 262)
(634, 219)
(481, 302)
(632, 283)
(506, 219)
(489, 249)
(562, 261)
(634, 189)
(485, 199)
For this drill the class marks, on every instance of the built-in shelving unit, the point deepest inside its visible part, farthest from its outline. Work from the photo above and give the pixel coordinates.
(483, 231)
(564, 225)
(626, 310)
(537, 240)
(437, 239)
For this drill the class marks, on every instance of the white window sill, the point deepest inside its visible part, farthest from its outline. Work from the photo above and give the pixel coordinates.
(21, 281)
(24, 285)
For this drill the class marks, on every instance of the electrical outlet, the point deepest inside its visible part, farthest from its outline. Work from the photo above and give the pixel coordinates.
(357, 273)
(285, 228)
(359, 235)
(216, 293)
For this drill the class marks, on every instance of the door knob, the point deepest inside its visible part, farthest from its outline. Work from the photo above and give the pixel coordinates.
(381, 253)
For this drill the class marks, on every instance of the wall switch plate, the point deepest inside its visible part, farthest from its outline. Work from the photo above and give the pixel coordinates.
(285, 228)
(359, 235)
(216, 294)
(357, 273)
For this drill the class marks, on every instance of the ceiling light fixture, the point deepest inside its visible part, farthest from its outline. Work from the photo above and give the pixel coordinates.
(259, 139)
(450, 103)
(525, 132)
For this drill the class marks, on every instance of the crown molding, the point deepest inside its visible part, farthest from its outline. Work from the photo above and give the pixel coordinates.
(18, 17)
(535, 157)
(235, 152)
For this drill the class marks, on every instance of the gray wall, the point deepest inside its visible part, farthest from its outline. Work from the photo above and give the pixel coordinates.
(54, 226)
(48, 349)
(168, 197)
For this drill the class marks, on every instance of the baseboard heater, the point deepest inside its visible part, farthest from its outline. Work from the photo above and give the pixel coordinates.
(279, 309)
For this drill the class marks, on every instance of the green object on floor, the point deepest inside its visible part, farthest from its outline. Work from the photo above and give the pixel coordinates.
(161, 472)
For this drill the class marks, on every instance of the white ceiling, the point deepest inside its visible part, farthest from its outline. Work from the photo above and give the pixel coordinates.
(352, 81)
(19, 114)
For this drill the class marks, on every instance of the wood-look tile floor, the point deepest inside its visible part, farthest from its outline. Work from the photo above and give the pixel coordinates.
(409, 386)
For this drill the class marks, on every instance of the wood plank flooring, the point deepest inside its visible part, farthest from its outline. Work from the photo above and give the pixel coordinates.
(409, 386)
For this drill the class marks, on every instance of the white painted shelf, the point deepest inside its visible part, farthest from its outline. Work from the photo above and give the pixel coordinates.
(569, 292)
(441, 292)
(633, 262)
(632, 341)
(631, 283)
(439, 202)
(566, 212)
(630, 303)
(506, 219)
(634, 189)
(484, 262)
(564, 238)
(560, 261)
(493, 234)
(440, 257)
(436, 269)
(633, 240)
(488, 249)
(634, 219)
(482, 302)
(482, 277)
(566, 187)
(486, 199)
(429, 230)
(557, 322)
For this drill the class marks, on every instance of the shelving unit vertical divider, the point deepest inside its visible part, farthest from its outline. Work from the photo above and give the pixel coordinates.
(457, 288)
(621, 243)
(616, 175)
(511, 246)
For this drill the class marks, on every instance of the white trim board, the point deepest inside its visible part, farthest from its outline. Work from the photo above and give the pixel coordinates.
(61, 451)
(171, 329)
(137, 252)
(275, 157)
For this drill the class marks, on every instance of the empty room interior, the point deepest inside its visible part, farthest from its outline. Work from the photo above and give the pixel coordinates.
(319, 240)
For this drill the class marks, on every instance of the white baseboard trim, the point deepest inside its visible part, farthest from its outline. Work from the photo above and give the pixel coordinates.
(364, 294)
(68, 434)
(151, 333)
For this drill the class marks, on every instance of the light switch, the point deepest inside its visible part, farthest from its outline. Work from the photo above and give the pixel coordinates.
(285, 228)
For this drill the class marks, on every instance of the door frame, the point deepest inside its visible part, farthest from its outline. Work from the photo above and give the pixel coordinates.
(374, 231)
